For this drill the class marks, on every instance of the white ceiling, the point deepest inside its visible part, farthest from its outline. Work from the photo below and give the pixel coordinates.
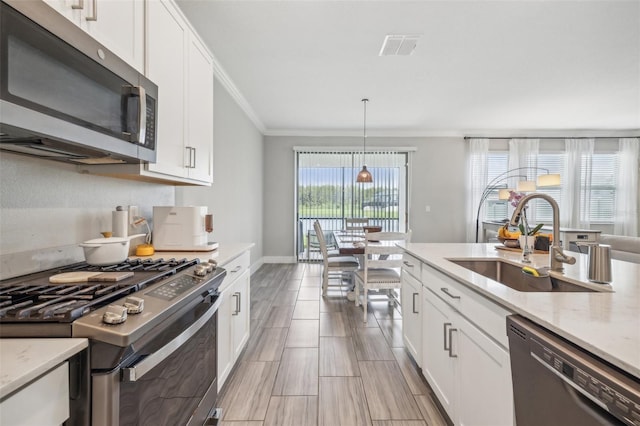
(480, 67)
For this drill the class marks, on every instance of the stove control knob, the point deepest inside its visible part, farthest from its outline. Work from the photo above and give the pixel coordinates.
(214, 263)
(210, 267)
(201, 270)
(134, 305)
(115, 314)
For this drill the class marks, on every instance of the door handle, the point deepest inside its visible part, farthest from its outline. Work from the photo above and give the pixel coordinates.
(446, 324)
(195, 153)
(95, 12)
(451, 354)
(445, 290)
(414, 303)
(237, 296)
(80, 5)
(189, 162)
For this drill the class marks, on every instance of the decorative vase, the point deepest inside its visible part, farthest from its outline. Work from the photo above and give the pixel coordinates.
(530, 241)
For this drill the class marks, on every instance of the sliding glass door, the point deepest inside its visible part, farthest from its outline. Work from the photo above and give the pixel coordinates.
(327, 191)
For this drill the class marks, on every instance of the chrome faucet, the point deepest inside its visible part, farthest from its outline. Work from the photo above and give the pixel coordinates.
(556, 255)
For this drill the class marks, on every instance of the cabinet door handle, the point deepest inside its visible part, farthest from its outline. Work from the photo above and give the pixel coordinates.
(445, 290)
(410, 265)
(414, 303)
(444, 337)
(236, 269)
(190, 160)
(451, 354)
(80, 5)
(95, 12)
(195, 153)
(237, 296)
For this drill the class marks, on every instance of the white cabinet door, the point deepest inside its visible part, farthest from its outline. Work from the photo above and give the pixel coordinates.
(167, 35)
(411, 295)
(225, 354)
(485, 394)
(199, 98)
(119, 25)
(438, 364)
(240, 315)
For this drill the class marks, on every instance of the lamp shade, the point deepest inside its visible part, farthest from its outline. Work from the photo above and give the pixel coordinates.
(364, 176)
(552, 179)
(504, 194)
(526, 186)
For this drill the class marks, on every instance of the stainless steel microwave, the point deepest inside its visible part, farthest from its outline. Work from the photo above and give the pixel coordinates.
(64, 96)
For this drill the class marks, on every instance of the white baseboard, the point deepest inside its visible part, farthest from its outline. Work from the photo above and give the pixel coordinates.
(279, 259)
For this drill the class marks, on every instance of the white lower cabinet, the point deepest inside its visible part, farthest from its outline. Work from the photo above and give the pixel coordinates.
(466, 366)
(411, 302)
(233, 315)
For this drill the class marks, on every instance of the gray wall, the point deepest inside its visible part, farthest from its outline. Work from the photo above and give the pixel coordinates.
(235, 199)
(437, 180)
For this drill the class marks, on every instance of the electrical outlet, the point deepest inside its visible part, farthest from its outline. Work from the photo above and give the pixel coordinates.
(133, 213)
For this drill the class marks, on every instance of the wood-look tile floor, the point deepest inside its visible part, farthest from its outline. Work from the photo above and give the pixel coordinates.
(311, 360)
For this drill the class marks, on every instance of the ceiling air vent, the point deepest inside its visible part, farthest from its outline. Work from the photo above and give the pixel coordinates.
(399, 44)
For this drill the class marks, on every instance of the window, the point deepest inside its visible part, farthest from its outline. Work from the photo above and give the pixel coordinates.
(327, 191)
(598, 186)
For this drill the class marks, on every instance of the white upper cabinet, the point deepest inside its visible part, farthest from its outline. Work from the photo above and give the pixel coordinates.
(118, 25)
(182, 68)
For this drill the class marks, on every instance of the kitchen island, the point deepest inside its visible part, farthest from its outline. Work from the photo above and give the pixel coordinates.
(606, 323)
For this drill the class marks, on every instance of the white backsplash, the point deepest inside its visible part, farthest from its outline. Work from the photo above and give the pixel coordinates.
(47, 208)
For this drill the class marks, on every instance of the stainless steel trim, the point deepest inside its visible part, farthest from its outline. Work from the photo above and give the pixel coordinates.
(142, 115)
(414, 303)
(445, 290)
(569, 382)
(451, 354)
(95, 12)
(132, 374)
(446, 324)
(80, 5)
(105, 399)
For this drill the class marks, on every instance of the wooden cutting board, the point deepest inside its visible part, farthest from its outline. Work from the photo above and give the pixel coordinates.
(519, 249)
(84, 276)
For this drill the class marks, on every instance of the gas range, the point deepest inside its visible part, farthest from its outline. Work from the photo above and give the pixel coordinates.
(152, 336)
(33, 306)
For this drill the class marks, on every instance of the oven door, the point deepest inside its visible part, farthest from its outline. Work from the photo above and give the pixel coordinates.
(171, 380)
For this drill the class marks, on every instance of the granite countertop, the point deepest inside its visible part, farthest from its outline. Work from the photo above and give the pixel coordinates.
(604, 323)
(23, 360)
(223, 254)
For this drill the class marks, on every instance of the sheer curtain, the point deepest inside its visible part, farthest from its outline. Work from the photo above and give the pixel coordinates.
(476, 181)
(523, 153)
(626, 216)
(576, 184)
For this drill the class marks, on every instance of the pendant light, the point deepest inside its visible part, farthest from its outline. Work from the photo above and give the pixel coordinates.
(364, 176)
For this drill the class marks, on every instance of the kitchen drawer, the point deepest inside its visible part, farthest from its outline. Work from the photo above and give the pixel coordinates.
(235, 268)
(482, 312)
(411, 265)
(44, 401)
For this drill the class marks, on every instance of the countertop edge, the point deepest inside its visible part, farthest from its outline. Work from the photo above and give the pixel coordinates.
(21, 362)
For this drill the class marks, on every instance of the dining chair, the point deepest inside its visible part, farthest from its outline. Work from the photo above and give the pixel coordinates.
(333, 265)
(355, 224)
(382, 267)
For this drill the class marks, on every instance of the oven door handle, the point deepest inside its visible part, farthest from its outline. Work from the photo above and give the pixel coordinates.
(132, 374)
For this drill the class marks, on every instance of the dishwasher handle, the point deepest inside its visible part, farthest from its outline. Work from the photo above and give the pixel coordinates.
(136, 372)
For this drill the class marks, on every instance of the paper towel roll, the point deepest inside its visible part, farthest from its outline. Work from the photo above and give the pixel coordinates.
(120, 223)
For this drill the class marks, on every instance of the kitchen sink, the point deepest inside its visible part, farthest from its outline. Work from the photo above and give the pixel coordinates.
(513, 277)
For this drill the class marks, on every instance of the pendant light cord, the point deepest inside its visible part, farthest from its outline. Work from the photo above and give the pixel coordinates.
(364, 142)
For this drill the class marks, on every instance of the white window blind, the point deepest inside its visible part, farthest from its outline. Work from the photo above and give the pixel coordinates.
(600, 186)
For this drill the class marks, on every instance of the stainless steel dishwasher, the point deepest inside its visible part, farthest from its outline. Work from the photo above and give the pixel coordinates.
(558, 383)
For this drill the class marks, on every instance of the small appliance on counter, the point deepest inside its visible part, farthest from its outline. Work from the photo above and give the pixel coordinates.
(182, 228)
